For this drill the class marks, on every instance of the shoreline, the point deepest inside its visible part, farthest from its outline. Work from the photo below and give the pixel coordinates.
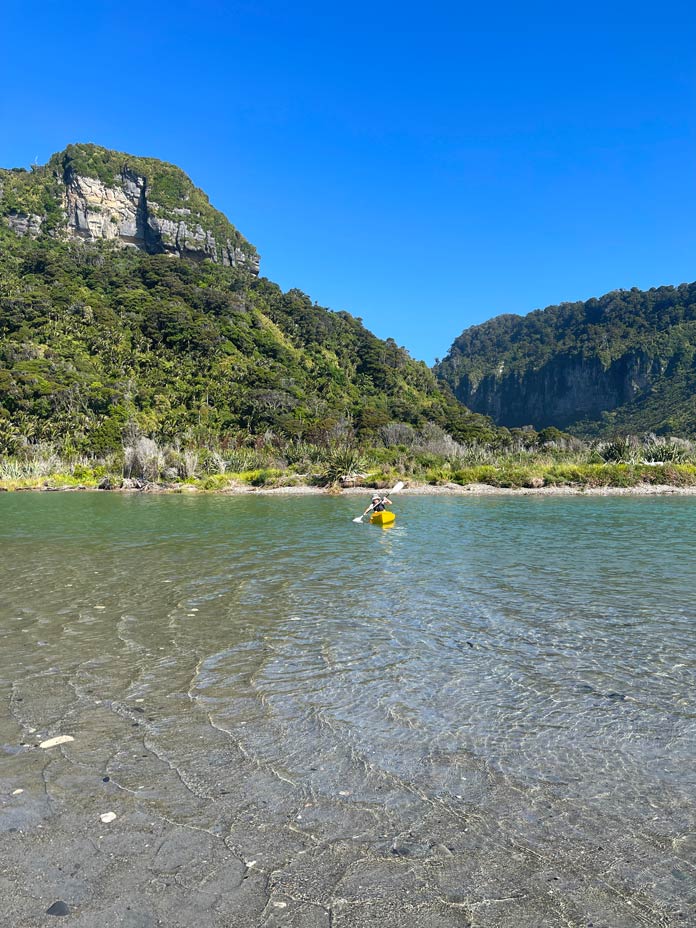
(484, 489)
(417, 489)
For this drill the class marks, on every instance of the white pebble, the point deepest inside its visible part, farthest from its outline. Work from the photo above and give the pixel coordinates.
(17, 792)
(107, 817)
(54, 742)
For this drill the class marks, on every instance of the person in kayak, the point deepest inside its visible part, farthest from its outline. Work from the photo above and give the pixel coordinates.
(378, 504)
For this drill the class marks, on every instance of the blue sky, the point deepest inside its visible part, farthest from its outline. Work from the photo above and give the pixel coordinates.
(423, 166)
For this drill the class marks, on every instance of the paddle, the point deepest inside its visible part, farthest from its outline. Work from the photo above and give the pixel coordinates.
(395, 489)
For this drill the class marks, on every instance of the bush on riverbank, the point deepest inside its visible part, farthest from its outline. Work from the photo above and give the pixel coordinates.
(427, 456)
(589, 476)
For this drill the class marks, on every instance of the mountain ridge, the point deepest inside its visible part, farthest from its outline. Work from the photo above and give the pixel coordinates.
(625, 361)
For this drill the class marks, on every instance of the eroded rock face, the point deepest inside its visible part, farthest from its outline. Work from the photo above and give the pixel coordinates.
(560, 392)
(125, 212)
(95, 211)
(92, 194)
(25, 224)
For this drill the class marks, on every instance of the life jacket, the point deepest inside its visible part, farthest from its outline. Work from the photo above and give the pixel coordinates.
(378, 507)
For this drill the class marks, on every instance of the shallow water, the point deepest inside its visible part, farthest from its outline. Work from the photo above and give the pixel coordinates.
(483, 715)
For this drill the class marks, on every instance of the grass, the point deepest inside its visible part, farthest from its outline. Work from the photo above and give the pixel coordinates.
(620, 464)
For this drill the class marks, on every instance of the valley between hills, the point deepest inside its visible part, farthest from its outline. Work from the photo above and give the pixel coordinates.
(140, 347)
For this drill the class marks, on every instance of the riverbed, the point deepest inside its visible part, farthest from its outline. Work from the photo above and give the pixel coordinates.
(481, 716)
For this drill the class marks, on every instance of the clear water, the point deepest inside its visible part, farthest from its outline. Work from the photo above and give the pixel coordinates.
(483, 715)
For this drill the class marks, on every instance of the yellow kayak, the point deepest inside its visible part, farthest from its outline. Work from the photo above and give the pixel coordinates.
(382, 518)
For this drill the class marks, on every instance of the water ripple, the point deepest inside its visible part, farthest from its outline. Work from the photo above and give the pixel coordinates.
(489, 675)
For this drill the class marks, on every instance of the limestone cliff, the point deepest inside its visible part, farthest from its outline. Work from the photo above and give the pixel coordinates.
(561, 392)
(625, 361)
(91, 193)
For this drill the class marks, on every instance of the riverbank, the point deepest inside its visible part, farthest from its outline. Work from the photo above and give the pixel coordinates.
(648, 467)
(412, 489)
(483, 489)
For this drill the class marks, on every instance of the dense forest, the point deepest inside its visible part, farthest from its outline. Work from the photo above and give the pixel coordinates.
(93, 337)
(174, 339)
(623, 363)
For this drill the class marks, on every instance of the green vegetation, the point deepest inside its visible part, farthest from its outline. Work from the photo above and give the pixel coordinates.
(101, 346)
(635, 349)
(116, 364)
(526, 461)
(32, 193)
(426, 456)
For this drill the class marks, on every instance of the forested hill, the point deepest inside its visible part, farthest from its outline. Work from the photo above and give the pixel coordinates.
(625, 362)
(126, 300)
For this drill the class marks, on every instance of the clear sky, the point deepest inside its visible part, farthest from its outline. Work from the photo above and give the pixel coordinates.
(422, 165)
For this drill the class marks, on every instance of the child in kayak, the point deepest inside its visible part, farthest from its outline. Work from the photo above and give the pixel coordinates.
(378, 504)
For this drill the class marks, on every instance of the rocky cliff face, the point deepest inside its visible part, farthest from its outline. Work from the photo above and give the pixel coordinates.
(561, 392)
(25, 223)
(126, 212)
(122, 205)
(624, 361)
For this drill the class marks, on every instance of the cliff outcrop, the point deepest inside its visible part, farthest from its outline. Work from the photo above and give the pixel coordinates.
(91, 193)
(625, 362)
(561, 392)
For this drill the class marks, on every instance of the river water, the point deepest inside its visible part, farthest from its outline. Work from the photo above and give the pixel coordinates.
(483, 715)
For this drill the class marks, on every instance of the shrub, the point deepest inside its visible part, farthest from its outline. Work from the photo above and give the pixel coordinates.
(188, 464)
(564, 475)
(484, 473)
(343, 465)
(215, 482)
(513, 476)
(143, 459)
(261, 477)
(666, 451)
(621, 450)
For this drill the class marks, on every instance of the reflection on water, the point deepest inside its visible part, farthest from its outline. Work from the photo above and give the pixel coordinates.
(498, 690)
